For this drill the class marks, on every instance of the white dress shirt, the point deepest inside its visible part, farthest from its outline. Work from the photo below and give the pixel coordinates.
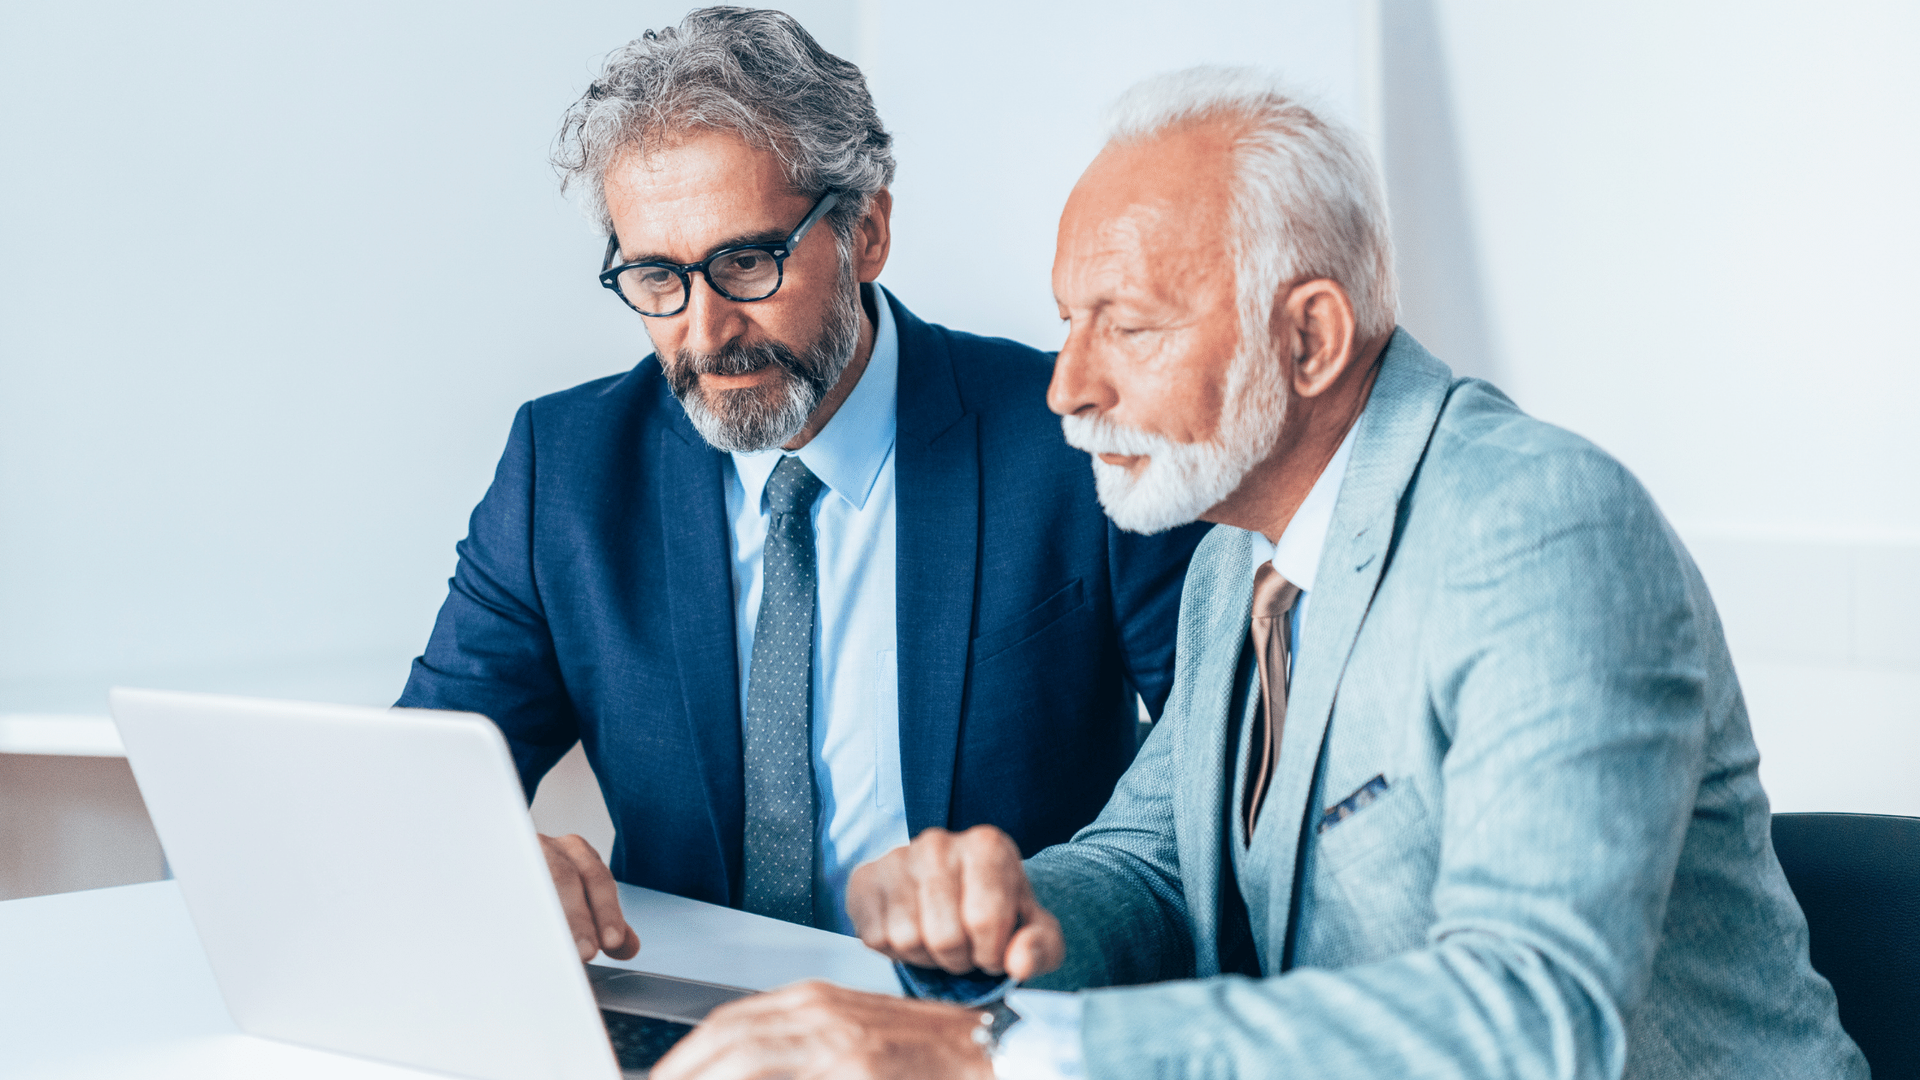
(862, 811)
(1045, 1045)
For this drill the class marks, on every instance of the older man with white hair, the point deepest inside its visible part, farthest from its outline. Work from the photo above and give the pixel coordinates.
(1455, 781)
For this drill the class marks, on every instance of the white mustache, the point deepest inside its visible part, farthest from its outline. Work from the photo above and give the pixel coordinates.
(1098, 435)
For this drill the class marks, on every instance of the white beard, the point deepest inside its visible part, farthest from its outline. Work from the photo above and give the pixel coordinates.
(1181, 481)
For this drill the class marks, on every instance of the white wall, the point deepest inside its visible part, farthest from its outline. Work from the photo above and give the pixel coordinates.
(1686, 231)
(273, 278)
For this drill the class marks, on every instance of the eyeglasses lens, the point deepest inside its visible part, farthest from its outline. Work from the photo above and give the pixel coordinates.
(651, 289)
(745, 275)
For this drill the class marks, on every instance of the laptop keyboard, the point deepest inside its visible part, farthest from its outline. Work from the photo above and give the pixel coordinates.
(639, 1041)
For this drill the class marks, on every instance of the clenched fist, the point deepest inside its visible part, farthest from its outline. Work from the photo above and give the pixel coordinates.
(956, 901)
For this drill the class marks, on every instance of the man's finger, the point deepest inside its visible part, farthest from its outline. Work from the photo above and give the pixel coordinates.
(943, 933)
(864, 899)
(573, 897)
(1038, 946)
(627, 949)
(610, 928)
(870, 890)
(703, 1054)
(902, 924)
(737, 1041)
(993, 884)
(900, 917)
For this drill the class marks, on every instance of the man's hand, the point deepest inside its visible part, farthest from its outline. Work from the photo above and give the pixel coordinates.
(590, 899)
(818, 1030)
(956, 901)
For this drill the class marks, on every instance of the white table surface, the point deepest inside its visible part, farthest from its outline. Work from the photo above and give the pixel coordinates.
(61, 734)
(112, 983)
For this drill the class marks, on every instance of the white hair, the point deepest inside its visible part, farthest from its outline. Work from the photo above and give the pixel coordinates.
(1307, 200)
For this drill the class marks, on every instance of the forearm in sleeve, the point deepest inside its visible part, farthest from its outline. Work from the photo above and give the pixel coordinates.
(1115, 887)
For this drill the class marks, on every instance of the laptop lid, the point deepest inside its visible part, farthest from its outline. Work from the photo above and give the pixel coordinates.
(367, 881)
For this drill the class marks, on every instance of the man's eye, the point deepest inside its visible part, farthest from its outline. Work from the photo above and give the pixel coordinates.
(650, 281)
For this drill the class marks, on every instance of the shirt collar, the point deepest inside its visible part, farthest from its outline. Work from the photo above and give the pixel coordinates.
(1297, 554)
(848, 452)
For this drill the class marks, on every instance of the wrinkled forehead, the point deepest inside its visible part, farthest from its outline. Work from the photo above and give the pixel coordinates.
(680, 198)
(1160, 206)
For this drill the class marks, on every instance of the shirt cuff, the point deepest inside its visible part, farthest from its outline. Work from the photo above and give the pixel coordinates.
(1045, 1044)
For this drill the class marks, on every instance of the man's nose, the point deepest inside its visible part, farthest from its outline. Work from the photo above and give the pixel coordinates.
(1080, 380)
(712, 320)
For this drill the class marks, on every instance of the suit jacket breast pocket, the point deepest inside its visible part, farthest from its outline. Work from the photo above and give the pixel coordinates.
(1053, 609)
(1382, 861)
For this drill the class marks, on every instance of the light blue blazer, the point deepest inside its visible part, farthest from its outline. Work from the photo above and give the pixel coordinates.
(1564, 867)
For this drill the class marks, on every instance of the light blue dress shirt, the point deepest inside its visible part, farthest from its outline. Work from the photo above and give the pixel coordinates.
(1045, 1045)
(862, 811)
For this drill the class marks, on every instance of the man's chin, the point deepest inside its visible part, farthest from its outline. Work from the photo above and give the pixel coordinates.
(749, 420)
(1138, 501)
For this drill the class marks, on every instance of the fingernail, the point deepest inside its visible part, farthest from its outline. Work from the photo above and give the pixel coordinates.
(611, 938)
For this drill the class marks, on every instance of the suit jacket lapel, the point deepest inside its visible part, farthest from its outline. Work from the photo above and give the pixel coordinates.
(937, 544)
(1407, 397)
(700, 606)
(1201, 749)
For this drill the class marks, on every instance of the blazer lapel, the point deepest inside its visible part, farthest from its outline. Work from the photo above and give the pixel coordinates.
(700, 606)
(1200, 745)
(937, 545)
(1405, 404)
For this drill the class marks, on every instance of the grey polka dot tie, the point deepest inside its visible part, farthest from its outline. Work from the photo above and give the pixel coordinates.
(779, 738)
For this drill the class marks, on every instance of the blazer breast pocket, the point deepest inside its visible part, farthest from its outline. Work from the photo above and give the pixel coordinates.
(1381, 860)
(1376, 816)
(1054, 608)
(1385, 813)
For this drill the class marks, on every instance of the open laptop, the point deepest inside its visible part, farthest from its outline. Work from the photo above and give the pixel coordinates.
(367, 881)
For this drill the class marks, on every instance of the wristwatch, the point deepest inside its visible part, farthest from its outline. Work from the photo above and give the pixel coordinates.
(995, 1019)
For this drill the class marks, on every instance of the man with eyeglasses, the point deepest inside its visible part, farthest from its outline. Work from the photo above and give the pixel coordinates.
(816, 575)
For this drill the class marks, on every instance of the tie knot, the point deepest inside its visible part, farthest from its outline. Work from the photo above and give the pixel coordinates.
(1273, 595)
(792, 486)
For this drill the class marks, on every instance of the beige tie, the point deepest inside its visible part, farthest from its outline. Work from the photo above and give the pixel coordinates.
(1272, 632)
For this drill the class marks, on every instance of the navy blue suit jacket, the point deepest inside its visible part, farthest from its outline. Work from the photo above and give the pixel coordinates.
(593, 602)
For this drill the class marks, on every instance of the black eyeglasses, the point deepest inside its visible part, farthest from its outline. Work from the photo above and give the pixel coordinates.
(743, 273)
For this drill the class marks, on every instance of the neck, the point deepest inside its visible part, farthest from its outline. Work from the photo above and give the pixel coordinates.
(850, 378)
(1273, 490)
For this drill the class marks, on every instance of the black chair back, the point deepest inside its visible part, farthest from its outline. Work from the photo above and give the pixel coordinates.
(1857, 876)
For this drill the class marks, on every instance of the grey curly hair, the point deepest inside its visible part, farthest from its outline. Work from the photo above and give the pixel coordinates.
(754, 72)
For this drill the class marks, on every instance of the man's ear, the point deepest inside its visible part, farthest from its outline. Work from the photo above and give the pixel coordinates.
(873, 237)
(1313, 323)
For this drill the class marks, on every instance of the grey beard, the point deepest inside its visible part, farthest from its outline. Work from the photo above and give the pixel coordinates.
(763, 417)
